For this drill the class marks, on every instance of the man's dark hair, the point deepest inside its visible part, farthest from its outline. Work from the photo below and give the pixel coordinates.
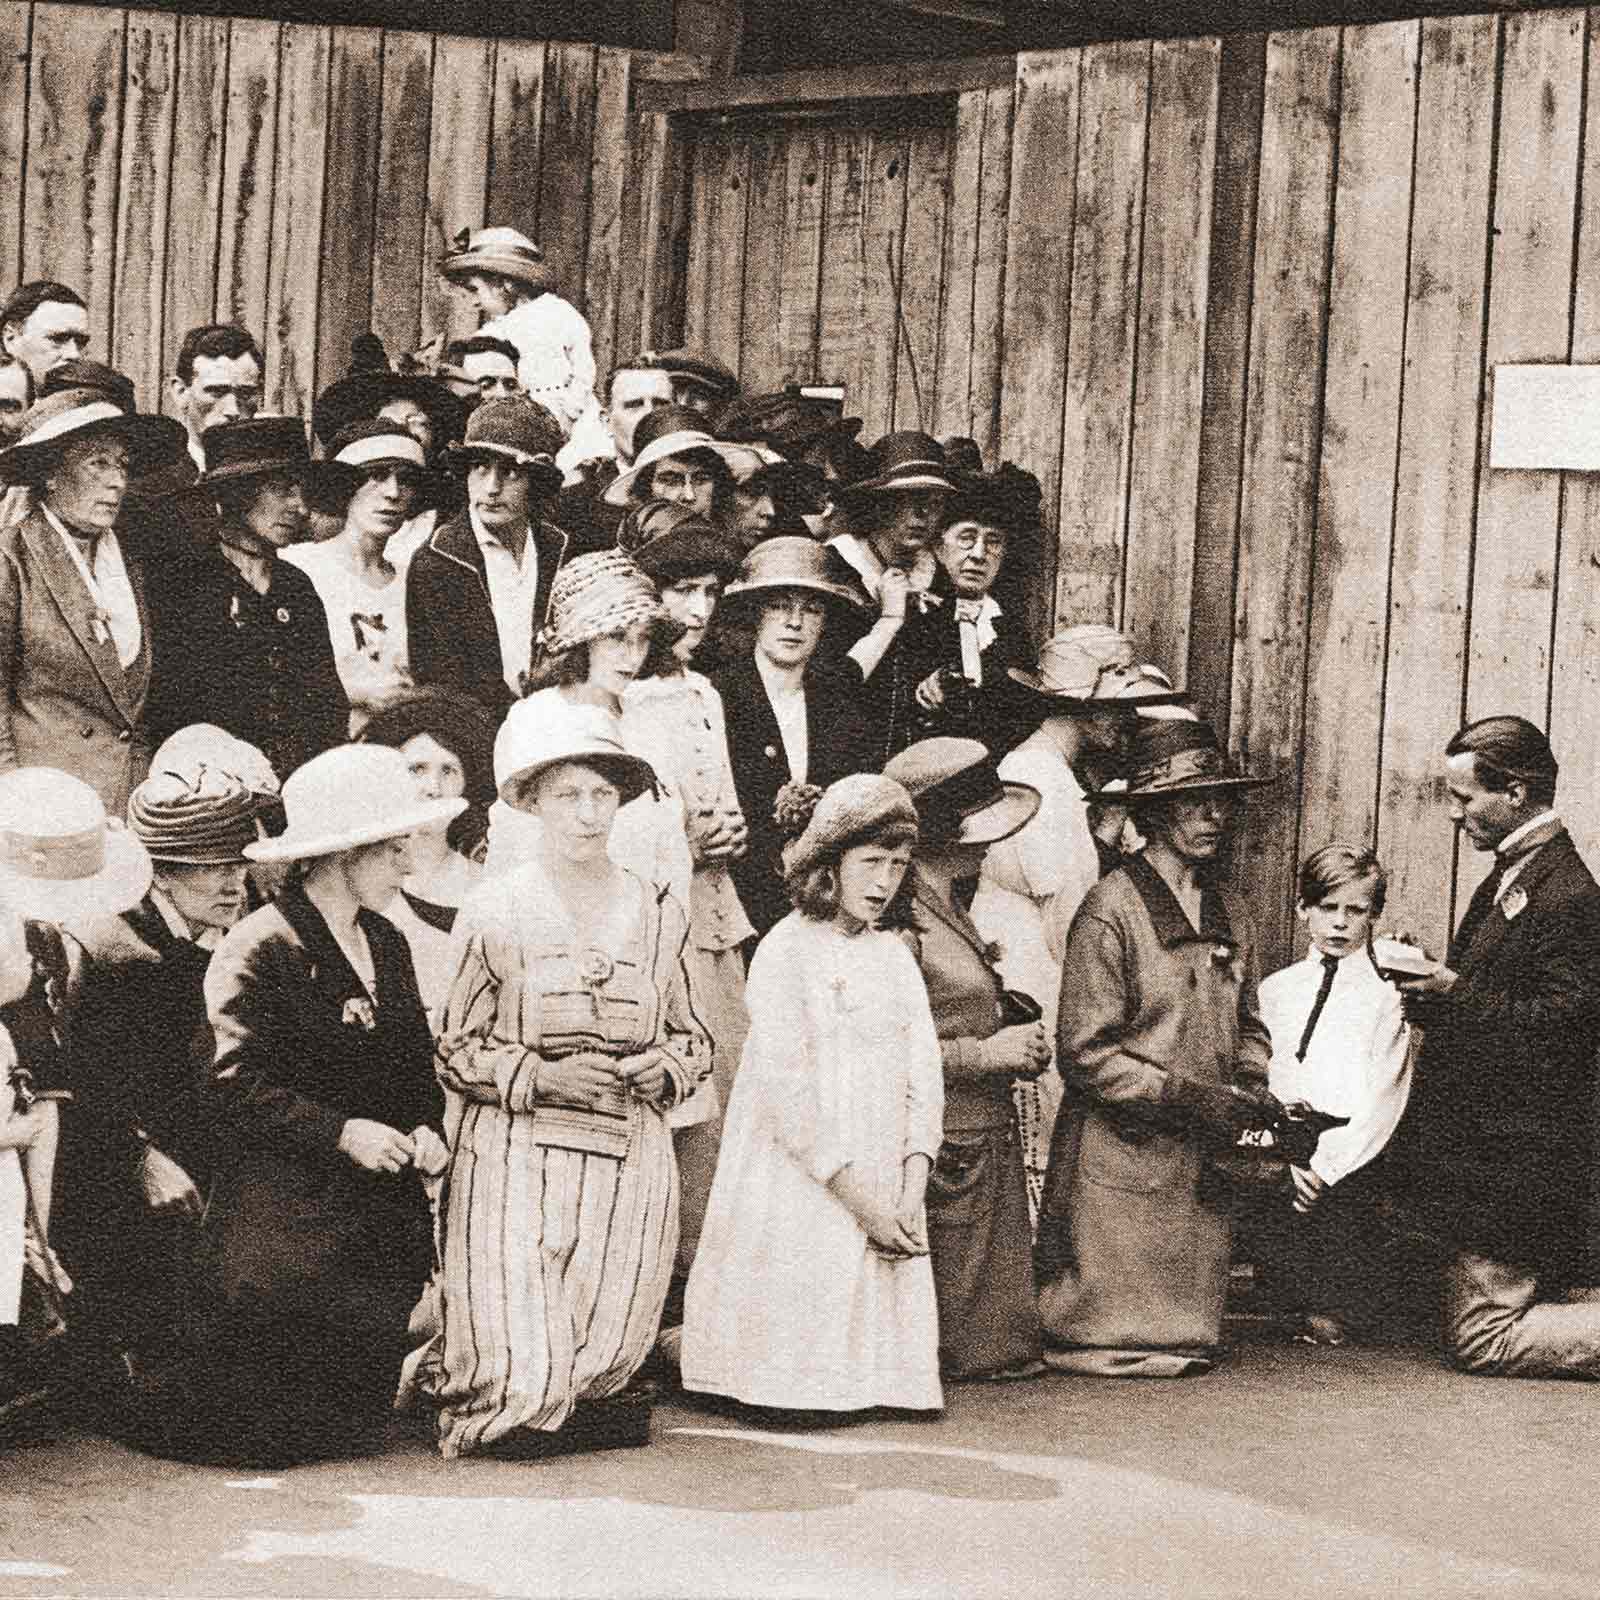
(1507, 750)
(26, 298)
(216, 340)
(482, 344)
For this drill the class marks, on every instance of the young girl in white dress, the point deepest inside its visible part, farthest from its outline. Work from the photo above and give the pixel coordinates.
(812, 1289)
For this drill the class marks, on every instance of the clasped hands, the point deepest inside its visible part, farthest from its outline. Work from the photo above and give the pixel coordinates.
(376, 1147)
(589, 1080)
(717, 835)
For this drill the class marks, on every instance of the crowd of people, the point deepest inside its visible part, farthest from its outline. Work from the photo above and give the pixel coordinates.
(515, 894)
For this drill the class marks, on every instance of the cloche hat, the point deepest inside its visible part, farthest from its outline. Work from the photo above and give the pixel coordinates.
(349, 796)
(515, 431)
(504, 251)
(547, 730)
(61, 857)
(789, 561)
(593, 595)
(959, 793)
(849, 811)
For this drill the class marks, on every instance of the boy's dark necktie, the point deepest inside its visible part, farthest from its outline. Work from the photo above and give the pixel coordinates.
(1330, 965)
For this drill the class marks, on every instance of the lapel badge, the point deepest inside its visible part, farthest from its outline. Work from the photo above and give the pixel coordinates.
(358, 1012)
(1514, 902)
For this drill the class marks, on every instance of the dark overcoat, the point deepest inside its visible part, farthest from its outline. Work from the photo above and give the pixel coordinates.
(1497, 1148)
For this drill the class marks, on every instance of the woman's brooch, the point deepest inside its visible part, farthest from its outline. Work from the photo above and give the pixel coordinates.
(1222, 957)
(358, 1012)
(994, 952)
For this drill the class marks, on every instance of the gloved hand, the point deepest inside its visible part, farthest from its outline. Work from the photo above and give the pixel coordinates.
(1218, 1110)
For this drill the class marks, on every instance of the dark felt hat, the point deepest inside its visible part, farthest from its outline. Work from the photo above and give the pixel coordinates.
(696, 367)
(903, 461)
(70, 414)
(514, 431)
(370, 385)
(262, 447)
(669, 540)
(1177, 757)
(787, 421)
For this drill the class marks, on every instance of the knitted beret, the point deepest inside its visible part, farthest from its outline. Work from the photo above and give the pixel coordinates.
(850, 811)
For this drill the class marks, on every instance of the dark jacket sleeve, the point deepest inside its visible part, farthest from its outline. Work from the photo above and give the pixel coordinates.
(250, 997)
(327, 707)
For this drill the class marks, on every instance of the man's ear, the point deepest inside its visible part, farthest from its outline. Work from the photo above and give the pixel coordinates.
(1302, 911)
(1517, 793)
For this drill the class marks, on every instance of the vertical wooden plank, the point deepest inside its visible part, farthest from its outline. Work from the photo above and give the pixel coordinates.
(1169, 386)
(568, 152)
(1530, 285)
(608, 177)
(1240, 88)
(952, 402)
(1360, 437)
(1044, 175)
(516, 143)
(344, 294)
(197, 160)
(761, 360)
(800, 276)
(16, 24)
(655, 317)
(249, 153)
(399, 247)
(918, 320)
(458, 170)
(863, 235)
(1435, 484)
(1106, 250)
(1575, 650)
(989, 277)
(298, 174)
(714, 304)
(1278, 507)
(74, 133)
(141, 253)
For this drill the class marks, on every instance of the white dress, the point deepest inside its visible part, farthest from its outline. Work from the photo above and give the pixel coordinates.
(556, 351)
(1028, 892)
(787, 1304)
(367, 627)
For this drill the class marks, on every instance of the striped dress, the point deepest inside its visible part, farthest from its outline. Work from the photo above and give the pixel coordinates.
(560, 1223)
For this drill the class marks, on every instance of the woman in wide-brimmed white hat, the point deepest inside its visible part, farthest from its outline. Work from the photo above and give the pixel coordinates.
(327, 1114)
(569, 1035)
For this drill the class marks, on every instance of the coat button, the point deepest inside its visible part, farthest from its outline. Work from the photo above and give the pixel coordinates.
(87, 730)
(125, 736)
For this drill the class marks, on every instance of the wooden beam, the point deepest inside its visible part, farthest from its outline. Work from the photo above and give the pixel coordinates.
(899, 81)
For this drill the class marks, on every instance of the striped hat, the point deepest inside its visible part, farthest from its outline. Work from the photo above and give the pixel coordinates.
(597, 594)
(202, 819)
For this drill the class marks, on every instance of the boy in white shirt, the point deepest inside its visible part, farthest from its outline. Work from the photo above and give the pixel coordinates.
(1339, 1041)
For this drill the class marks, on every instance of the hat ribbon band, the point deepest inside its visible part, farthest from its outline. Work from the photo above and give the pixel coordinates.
(71, 421)
(382, 447)
(1180, 767)
(61, 856)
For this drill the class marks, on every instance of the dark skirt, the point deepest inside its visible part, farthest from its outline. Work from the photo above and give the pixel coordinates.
(980, 1238)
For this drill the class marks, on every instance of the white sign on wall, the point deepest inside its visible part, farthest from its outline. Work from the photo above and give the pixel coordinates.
(1546, 418)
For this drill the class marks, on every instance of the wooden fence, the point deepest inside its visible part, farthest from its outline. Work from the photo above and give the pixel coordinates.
(302, 180)
(1238, 302)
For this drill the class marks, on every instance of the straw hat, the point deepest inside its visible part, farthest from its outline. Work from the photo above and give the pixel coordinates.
(61, 857)
(513, 431)
(547, 730)
(668, 540)
(1175, 757)
(593, 595)
(199, 820)
(352, 795)
(676, 431)
(851, 810)
(959, 793)
(789, 561)
(72, 414)
(1088, 667)
(502, 251)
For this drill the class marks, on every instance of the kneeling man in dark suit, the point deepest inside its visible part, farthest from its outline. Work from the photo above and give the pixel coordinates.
(1498, 1147)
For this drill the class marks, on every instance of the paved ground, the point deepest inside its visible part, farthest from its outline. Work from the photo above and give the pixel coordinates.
(1294, 1471)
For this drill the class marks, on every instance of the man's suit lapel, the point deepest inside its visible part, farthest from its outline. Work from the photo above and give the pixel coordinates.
(1491, 929)
(67, 589)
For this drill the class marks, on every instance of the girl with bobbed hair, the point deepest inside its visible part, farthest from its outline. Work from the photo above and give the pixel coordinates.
(812, 1290)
